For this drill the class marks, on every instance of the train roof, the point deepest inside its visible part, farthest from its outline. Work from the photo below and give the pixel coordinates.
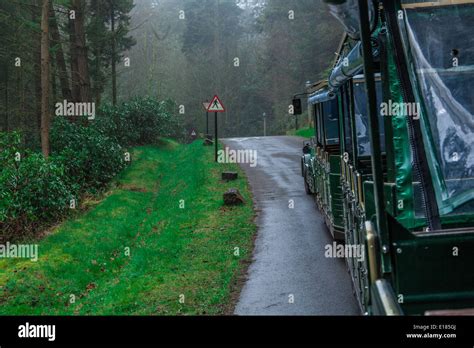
(431, 3)
(314, 87)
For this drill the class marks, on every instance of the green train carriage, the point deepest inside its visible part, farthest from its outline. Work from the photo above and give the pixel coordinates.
(321, 165)
(408, 197)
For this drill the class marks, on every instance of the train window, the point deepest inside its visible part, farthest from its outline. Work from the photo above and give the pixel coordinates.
(444, 63)
(320, 124)
(345, 99)
(314, 110)
(362, 119)
(316, 124)
(331, 122)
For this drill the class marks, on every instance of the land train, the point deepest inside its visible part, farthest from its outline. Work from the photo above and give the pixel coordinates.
(391, 163)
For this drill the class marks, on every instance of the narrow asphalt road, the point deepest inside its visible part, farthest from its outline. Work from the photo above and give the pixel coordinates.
(289, 274)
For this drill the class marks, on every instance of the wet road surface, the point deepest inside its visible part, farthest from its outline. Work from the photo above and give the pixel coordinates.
(289, 274)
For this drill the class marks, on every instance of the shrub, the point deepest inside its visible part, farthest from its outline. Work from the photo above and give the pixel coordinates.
(9, 146)
(33, 191)
(91, 158)
(36, 191)
(140, 121)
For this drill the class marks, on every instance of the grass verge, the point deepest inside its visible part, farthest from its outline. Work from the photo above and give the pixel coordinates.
(161, 243)
(302, 132)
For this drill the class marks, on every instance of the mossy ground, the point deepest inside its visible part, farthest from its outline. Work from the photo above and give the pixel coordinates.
(176, 253)
(302, 132)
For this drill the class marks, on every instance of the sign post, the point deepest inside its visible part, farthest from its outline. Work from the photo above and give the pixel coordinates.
(264, 124)
(216, 145)
(215, 106)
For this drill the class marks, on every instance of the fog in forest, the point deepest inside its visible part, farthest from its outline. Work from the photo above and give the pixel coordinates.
(254, 54)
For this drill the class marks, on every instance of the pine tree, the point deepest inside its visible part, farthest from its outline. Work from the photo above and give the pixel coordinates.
(45, 61)
(119, 41)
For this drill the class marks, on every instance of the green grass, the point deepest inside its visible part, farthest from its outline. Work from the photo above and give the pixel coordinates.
(302, 132)
(173, 251)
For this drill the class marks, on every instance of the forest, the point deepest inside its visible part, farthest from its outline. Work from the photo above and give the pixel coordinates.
(83, 82)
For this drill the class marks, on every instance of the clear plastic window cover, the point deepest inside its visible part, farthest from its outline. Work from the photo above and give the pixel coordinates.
(331, 122)
(442, 48)
(347, 125)
(361, 116)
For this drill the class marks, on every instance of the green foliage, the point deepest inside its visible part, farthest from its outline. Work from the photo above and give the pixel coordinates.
(105, 45)
(171, 248)
(90, 157)
(194, 58)
(203, 19)
(306, 132)
(140, 121)
(9, 146)
(33, 191)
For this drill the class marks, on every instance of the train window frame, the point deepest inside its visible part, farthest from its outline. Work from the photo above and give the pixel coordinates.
(316, 122)
(323, 135)
(346, 119)
(314, 110)
(332, 104)
(320, 133)
(360, 79)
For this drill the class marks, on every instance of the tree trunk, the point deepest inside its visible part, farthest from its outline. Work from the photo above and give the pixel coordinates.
(98, 78)
(114, 67)
(7, 125)
(75, 92)
(82, 62)
(53, 83)
(60, 61)
(98, 81)
(36, 17)
(45, 78)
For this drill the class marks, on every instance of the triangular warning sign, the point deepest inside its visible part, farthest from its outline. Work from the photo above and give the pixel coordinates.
(216, 105)
(193, 133)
